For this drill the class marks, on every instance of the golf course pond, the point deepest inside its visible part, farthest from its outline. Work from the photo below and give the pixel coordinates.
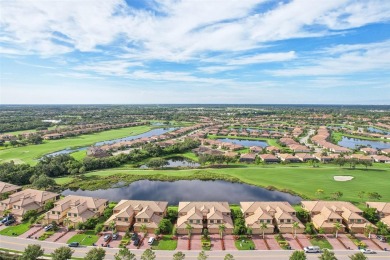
(175, 162)
(353, 142)
(243, 142)
(185, 190)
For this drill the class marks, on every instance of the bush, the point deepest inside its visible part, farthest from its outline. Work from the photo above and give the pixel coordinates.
(99, 228)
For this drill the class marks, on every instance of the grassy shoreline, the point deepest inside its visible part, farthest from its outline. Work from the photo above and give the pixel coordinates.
(271, 177)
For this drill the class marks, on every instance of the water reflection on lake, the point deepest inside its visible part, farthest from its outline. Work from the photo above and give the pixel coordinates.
(195, 190)
(353, 142)
(177, 162)
(246, 143)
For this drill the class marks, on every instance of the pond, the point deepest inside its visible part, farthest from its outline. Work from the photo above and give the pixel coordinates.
(246, 143)
(157, 131)
(195, 190)
(376, 130)
(177, 162)
(353, 142)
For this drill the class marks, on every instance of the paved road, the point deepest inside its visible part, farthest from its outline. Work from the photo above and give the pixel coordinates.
(305, 141)
(16, 243)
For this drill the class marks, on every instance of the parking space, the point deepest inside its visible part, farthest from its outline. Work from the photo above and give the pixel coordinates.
(382, 244)
(57, 234)
(216, 243)
(229, 242)
(292, 242)
(31, 231)
(370, 244)
(346, 241)
(272, 243)
(304, 240)
(259, 242)
(182, 242)
(131, 245)
(145, 244)
(335, 242)
(67, 236)
(196, 243)
(113, 243)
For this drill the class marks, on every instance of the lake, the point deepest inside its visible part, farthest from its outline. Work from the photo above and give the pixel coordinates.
(353, 142)
(184, 190)
(177, 162)
(376, 130)
(157, 131)
(246, 143)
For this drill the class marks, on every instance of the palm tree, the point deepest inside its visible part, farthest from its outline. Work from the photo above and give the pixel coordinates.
(337, 227)
(295, 225)
(189, 229)
(263, 227)
(370, 228)
(112, 225)
(143, 228)
(67, 223)
(221, 229)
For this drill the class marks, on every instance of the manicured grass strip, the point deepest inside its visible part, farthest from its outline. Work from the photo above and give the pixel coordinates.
(308, 179)
(30, 153)
(16, 230)
(63, 180)
(244, 243)
(165, 243)
(79, 155)
(321, 242)
(86, 239)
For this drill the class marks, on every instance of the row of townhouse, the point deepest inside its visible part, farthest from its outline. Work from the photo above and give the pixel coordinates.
(267, 217)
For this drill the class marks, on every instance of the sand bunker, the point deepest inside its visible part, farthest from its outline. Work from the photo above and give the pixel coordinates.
(342, 178)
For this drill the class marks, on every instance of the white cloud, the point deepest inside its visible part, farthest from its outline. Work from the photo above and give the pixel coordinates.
(264, 58)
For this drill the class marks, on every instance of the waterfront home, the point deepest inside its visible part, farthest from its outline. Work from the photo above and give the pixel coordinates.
(305, 157)
(8, 188)
(202, 215)
(324, 215)
(76, 209)
(248, 157)
(269, 158)
(383, 211)
(369, 150)
(278, 215)
(21, 202)
(272, 149)
(286, 157)
(128, 213)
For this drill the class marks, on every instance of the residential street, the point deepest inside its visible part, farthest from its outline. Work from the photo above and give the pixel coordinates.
(16, 243)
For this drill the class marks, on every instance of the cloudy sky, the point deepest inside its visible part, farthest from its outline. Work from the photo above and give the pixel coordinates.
(195, 51)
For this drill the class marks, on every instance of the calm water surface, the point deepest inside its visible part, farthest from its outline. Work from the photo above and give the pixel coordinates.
(196, 190)
(177, 162)
(246, 143)
(352, 143)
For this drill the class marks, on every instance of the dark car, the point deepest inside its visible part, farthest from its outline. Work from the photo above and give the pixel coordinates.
(134, 236)
(136, 242)
(74, 244)
(115, 236)
(9, 222)
(7, 218)
(48, 227)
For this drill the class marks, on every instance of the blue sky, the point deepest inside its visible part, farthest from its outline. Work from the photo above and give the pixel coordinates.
(195, 51)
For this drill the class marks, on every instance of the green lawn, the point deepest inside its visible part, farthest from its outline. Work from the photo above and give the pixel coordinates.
(87, 239)
(321, 242)
(165, 243)
(30, 153)
(301, 179)
(244, 243)
(63, 180)
(16, 230)
(79, 155)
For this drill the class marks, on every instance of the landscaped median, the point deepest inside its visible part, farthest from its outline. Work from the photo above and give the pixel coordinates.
(165, 242)
(88, 238)
(244, 243)
(16, 230)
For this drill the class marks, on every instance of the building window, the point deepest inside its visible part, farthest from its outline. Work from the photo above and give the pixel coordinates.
(126, 219)
(53, 212)
(74, 215)
(288, 220)
(191, 221)
(69, 214)
(198, 221)
(139, 220)
(119, 219)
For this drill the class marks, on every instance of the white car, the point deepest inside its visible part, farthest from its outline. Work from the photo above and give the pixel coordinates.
(312, 249)
(367, 251)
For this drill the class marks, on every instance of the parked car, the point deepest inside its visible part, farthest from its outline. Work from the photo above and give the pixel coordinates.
(367, 251)
(9, 222)
(312, 249)
(134, 236)
(6, 218)
(381, 238)
(115, 236)
(48, 227)
(107, 237)
(151, 241)
(136, 242)
(74, 244)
